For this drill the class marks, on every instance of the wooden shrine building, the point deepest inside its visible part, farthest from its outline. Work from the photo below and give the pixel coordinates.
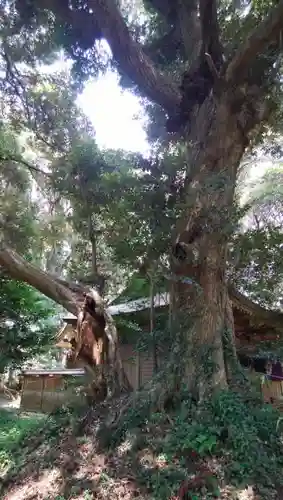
(254, 326)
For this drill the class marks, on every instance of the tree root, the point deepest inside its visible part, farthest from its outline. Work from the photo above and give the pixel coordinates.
(153, 398)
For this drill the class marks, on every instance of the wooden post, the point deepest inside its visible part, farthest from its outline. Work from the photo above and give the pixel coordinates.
(152, 323)
(42, 391)
(138, 368)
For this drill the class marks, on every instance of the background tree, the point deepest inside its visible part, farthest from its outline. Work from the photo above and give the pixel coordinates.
(256, 258)
(26, 323)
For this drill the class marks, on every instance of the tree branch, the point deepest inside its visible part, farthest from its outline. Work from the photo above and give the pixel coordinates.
(104, 20)
(210, 31)
(190, 29)
(131, 58)
(20, 269)
(265, 33)
(184, 35)
(23, 162)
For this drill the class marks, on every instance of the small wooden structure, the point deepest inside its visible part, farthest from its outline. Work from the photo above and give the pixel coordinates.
(45, 390)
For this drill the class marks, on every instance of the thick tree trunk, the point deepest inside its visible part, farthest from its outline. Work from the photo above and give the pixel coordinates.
(200, 294)
(70, 296)
(216, 144)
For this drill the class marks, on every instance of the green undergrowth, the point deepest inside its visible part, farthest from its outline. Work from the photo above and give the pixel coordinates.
(232, 439)
(13, 430)
(21, 434)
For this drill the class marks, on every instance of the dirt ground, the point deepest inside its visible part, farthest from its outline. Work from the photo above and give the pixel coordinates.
(65, 466)
(75, 469)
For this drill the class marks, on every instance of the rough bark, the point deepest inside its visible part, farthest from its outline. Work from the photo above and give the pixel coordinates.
(201, 307)
(216, 144)
(70, 296)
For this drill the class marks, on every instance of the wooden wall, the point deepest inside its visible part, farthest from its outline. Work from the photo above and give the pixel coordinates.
(44, 393)
(139, 367)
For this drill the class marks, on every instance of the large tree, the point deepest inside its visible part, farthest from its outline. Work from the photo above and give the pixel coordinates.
(216, 89)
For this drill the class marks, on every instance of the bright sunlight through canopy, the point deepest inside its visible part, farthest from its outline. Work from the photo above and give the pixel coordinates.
(117, 115)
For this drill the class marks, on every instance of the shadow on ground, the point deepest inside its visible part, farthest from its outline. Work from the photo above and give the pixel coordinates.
(65, 462)
(72, 461)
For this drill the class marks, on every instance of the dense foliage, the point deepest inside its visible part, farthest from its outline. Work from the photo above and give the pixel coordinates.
(26, 323)
(256, 247)
(12, 433)
(198, 450)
